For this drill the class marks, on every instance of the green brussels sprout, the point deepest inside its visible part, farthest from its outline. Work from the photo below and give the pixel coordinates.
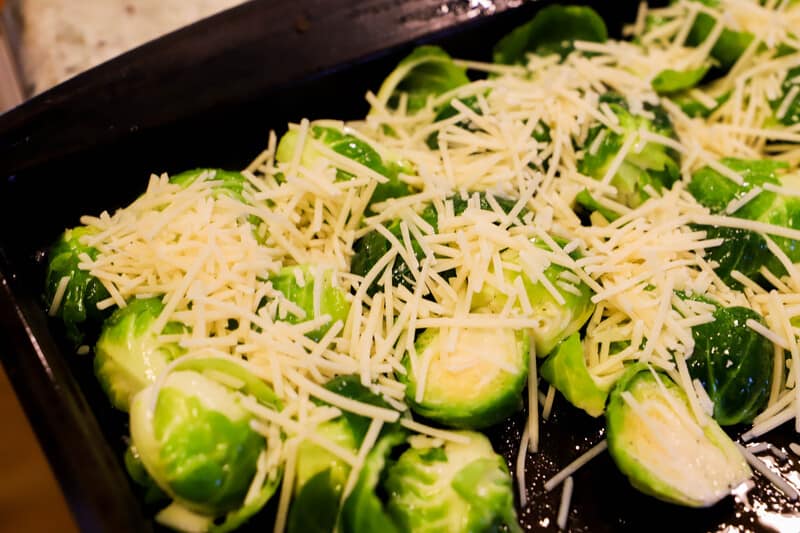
(195, 440)
(791, 114)
(734, 364)
(556, 321)
(129, 355)
(729, 46)
(656, 441)
(461, 487)
(743, 250)
(353, 148)
(449, 111)
(320, 476)
(370, 248)
(553, 30)
(693, 107)
(565, 369)
(426, 72)
(78, 307)
(651, 164)
(332, 299)
(467, 388)
(670, 81)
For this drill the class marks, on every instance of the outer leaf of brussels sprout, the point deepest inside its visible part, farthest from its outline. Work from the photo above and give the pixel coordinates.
(474, 395)
(729, 46)
(565, 369)
(792, 114)
(230, 182)
(449, 111)
(557, 321)
(734, 364)
(427, 71)
(693, 107)
(457, 488)
(552, 31)
(315, 507)
(137, 471)
(587, 201)
(742, 250)
(363, 509)
(196, 442)
(129, 355)
(658, 444)
(670, 81)
(333, 300)
(78, 309)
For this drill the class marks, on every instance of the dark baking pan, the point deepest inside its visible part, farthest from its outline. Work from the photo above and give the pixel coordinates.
(207, 96)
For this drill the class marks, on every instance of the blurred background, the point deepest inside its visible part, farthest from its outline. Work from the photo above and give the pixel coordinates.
(43, 43)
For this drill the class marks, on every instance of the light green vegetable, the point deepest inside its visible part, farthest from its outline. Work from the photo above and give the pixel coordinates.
(656, 441)
(332, 299)
(555, 320)
(194, 439)
(476, 385)
(129, 354)
(461, 487)
(565, 369)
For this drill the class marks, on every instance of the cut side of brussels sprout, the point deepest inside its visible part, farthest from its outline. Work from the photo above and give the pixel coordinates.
(664, 450)
(555, 320)
(316, 296)
(129, 355)
(475, 385)
(565, 369)
(455, 488)
(195, 440)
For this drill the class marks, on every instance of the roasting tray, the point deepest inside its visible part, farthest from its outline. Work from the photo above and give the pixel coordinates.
(208, 95)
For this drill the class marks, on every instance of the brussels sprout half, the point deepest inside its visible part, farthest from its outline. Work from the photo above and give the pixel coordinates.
(195, 441)
(656, 441)
(78, 307)
(565, 369)
(461, 487)
(129, 354)
(476, 385)
(556, 320)
(332, 299)
(734, 364)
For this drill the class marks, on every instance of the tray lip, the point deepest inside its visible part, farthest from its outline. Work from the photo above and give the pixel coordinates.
(74, 445)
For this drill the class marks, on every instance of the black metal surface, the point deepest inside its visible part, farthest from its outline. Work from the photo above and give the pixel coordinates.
(208, 96)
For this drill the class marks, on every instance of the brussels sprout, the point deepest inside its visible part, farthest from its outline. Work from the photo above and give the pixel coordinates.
(565, 369)
(449, 111)
(656, 441)
(728, 47)
(556, 320)
(553, 30)
(370, 248)
(476, 385)
(229, 182)
(426, 72)
(734, 364)
(78, 307)
(353, 148)
(715, 191)
(332, 299)
(129, 354)
(320, 476)
(651, 164)
(461, 487)
(195, 441)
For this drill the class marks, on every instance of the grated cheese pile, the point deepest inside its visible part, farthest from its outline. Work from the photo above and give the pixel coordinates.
(211, 255)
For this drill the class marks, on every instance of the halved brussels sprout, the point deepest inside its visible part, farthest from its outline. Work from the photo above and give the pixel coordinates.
(320, 476)
(460, 487)
(476, 385)
(556, 320)
(645, 163)
(78, 306)
(129, 354)
(656, 441)
(565, 369)
(734, 364)
(194, 438)
(332, 299)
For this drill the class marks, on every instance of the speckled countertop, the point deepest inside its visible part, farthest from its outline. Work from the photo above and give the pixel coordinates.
(56, 39)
